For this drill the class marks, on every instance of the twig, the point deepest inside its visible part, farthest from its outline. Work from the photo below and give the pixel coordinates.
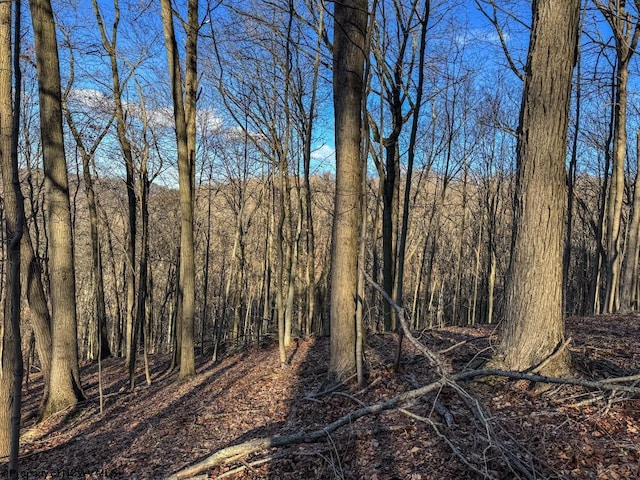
(265, 443)
(242, 468)
(350, 397)
(460, 344)
(453, 448)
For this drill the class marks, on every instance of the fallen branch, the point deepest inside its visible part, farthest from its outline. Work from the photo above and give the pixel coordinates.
(265, 443)
(610, 384)
(241, 450)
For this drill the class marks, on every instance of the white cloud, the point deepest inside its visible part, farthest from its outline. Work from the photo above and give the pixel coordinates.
(324, 152)
(208, 120)
(89, 99)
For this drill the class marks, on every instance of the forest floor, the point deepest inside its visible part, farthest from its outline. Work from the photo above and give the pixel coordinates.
(563, 431)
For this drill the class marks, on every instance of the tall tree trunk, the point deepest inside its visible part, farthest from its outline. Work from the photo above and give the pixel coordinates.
(207, 258)
(140, 323)
(350, 19)
(280, 256)
(11, 366)
(534, 323)
(571, 182)
(64, 385)
(308, 210)
(402, 240)
(595, 293)
(13, 200)
(87, 155)
(626, 32)
(184, 110)
(110, 45)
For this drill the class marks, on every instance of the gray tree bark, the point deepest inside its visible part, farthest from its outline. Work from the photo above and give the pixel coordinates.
(534, 324)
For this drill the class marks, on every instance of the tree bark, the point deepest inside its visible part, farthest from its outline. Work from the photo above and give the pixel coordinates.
(11, 366)
(184, 109)
(534, 323)
(630, 262)
(350, 19)
(64, 385)
(13, 200)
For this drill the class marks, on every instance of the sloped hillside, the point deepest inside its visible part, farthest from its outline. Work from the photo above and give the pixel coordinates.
(564, 431)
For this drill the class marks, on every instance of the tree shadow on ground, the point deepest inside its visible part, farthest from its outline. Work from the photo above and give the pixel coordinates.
(139, 433)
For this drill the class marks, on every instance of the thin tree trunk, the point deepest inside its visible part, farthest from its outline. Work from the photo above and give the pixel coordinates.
(630, 263)
(110, 45)
(308, 210)
(626, 32)
(143, 267)
(571, 181)
(402, 240)
(184, 109)
(100, 315)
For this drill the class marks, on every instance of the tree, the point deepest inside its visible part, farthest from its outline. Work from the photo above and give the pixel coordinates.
(11, 367)
(398, 58)
(628, 300)
(626, 32)
(110, 45)
(534, 324)
(184, 111)
(350, 26)
(64, 383)
(87, 154)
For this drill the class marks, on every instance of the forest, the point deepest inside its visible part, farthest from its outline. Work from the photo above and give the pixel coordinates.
(319, 239)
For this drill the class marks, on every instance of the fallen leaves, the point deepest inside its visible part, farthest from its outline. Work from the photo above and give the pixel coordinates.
(168, 425)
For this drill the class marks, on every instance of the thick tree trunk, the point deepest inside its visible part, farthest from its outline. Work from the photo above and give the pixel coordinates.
(13, 201)
(64, 385)
(534, 323)
(350, 19)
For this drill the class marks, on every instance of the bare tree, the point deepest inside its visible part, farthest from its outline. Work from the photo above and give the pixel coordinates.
(11, 366)
(64, 384)
(109, 43)
(184, 110)
(87, 153)
(626, 32)
(534, 324)
(350, 26)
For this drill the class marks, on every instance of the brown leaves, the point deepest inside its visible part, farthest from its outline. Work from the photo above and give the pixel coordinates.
(576, 433)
